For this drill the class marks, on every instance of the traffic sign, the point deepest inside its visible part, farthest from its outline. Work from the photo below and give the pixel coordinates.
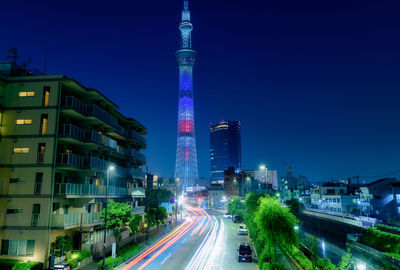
(172, 201)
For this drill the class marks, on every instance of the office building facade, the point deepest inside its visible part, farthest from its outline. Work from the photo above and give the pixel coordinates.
(225, 149)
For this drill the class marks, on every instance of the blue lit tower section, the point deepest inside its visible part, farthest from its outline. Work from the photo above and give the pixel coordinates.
(186, 154)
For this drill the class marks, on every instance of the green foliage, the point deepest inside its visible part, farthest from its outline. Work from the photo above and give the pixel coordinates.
(157, 216)
(234, 205)
(6, 264)
(134, 224)
(295, 206)
(384, 241)
(302, 259)
(275, 223)
(56, 247)
(128, 252)
(77, 256)
(110, 263)
(252, 202)
(387, 228)
(22, 266)
(239, 213)
(119, 216)
(154, 197)
(346, 261)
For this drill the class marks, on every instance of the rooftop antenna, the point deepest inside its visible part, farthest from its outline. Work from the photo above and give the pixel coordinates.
(13, 54)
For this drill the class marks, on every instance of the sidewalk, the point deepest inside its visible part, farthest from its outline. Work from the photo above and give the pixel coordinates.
(140, 238)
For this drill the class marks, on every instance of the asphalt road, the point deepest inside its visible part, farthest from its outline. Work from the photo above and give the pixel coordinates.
(205, 241)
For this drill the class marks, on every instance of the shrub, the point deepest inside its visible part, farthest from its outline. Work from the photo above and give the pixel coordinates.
(384, 241)
(6, 264)
(110, 263)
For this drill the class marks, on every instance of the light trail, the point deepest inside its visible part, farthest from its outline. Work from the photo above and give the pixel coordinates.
(158, 248)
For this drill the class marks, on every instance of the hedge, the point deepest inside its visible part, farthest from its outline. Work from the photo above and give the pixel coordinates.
(6, 264)
(384, 241)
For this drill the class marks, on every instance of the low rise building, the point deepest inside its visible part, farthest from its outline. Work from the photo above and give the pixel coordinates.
(59, 143)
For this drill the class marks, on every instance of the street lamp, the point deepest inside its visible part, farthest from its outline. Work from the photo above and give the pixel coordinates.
(110, 168)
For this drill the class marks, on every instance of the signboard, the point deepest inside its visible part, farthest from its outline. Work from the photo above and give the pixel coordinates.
(114, 249)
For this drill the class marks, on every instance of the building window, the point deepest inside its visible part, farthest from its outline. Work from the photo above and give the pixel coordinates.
(38, 183)
(20, 150)
(46, 96)
(17, 247)
(43, 124)
(23, 121)
(35, 214)
(398, 198)
(41, 150)
(398, 210)
(26, 94)
(16, 181)
(15, 211)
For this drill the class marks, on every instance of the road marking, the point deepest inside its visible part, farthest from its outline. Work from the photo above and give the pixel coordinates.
(166, 258)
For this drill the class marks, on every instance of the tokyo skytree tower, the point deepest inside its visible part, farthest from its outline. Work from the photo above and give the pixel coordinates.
(186, 154)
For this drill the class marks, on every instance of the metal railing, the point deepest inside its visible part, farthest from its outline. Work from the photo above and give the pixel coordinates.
(136, 173)
(69, 130)
(76, 219)
(94, 110)
(69, 159)
(92, 190)
(135, 135)
(136, 154)
(71, 102)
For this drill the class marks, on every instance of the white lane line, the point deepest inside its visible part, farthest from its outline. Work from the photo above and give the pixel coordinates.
(166, 258)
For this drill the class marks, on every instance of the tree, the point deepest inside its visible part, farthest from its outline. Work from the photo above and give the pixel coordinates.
(295, 206)
(62, 243)
(134, 224)
(234, 205)
(346, 262)
(119, 217)
(276, 223)
(154, 197)
(252, 202)
(157, 216)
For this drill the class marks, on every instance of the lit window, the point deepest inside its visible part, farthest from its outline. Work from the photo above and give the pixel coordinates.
(21, 150)
(398, 198)
(24, 121)
(26, 94)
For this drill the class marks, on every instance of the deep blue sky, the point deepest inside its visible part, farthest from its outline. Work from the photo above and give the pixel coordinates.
(314, 83)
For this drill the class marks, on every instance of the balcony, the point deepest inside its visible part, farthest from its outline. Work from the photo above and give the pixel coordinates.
(96, 111)
(136, 173)
(75, 220)
(70, 102)
(82, 190)
(96, 163)
(69, 160)
(71, 131)
(132, 134)
(135, 154)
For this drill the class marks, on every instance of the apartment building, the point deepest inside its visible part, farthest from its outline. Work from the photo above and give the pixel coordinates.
(58, 139)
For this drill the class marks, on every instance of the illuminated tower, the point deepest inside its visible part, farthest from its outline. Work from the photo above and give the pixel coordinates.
(186, 154)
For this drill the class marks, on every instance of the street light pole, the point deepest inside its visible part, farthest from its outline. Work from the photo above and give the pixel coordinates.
(176, 199)
(110, 168)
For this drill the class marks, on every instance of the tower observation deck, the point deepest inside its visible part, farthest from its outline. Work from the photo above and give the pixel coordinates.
(186, 154)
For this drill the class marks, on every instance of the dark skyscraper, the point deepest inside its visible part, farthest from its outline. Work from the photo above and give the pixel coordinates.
(225, 149)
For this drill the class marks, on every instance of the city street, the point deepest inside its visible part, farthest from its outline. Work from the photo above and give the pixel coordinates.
(204, 241)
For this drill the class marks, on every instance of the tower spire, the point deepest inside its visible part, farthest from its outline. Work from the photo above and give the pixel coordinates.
(186, 153)
(186, 27)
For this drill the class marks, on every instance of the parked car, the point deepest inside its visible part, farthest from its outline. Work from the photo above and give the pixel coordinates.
(243, 230)
(244, 252)
(237, 219)
(227, 215)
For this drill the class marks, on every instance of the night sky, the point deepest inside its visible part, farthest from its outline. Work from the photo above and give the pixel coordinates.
(315, 84)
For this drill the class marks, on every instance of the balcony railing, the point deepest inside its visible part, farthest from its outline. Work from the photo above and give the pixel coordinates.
(69, 130)
(70, 102)
(94, 110)
(75, 220)
(69, 160)
(96, 163)
(135, 154)
(136, 173)
(132, 134)
(87, 189)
